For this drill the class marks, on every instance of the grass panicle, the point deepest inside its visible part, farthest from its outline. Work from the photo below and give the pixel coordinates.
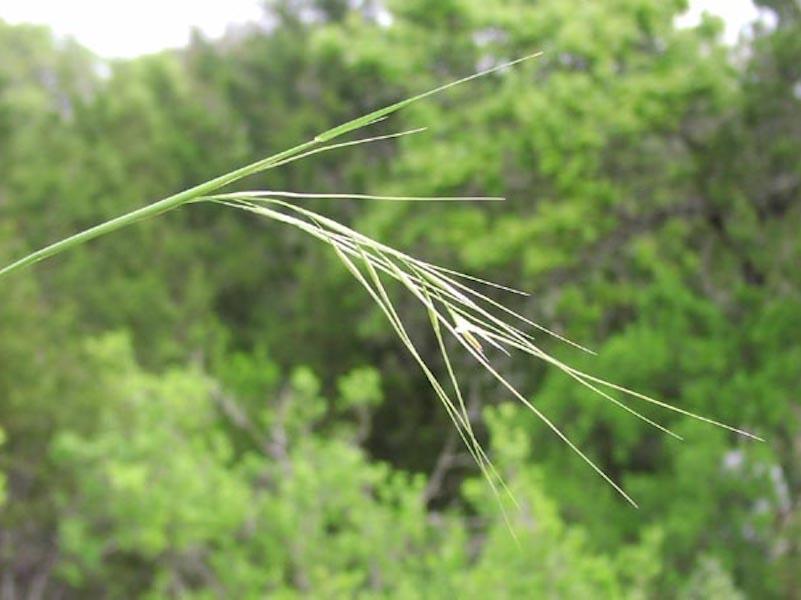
(469, 317)
(476, 322)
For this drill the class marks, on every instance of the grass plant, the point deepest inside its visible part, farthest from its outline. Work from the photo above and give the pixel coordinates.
(479, 324)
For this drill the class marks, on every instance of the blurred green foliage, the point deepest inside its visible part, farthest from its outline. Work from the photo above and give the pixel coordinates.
(205, 405)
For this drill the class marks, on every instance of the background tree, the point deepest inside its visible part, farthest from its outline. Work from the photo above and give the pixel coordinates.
(205, 405)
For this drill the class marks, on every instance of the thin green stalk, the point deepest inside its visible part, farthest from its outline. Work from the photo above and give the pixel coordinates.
(154, 209)
(211, 186)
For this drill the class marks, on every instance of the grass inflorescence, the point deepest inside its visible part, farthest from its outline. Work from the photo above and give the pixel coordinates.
(454, 306)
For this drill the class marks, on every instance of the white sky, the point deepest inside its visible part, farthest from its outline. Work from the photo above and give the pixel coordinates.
(113, 28)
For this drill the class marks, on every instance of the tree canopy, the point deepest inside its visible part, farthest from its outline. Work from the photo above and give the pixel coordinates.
(206, 405)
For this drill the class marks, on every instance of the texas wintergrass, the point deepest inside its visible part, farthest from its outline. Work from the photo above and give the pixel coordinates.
(455, 308)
